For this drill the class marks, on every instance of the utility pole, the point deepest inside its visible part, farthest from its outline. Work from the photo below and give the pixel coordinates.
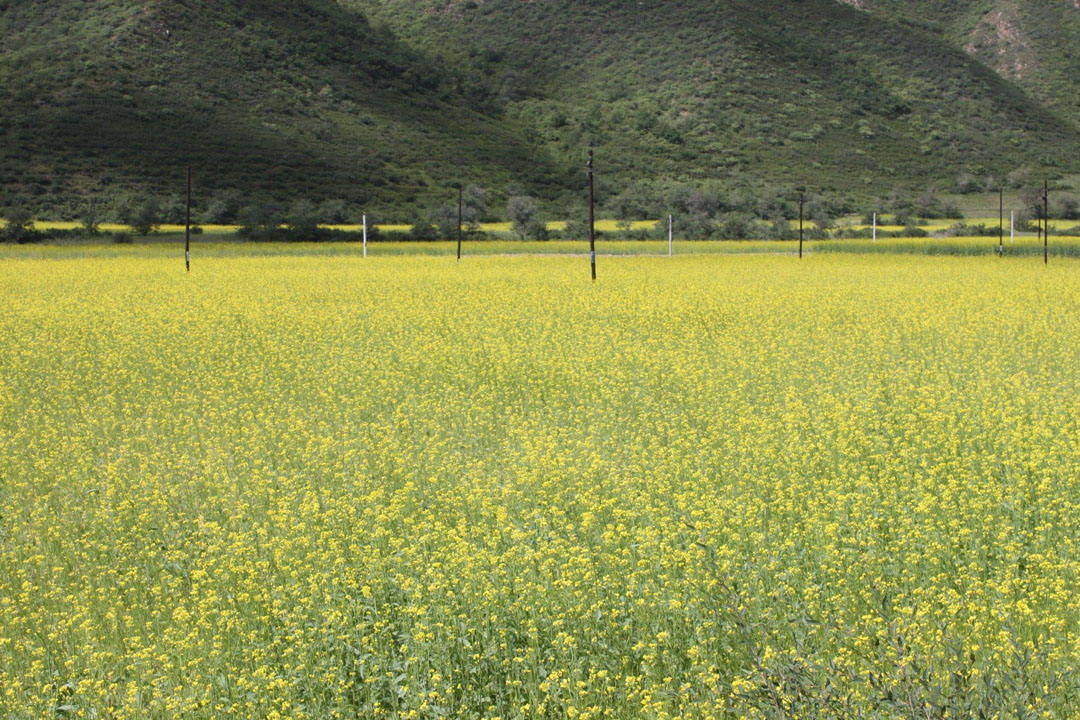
(459, 223)
(365, 234)
(187, 225)
(875, 227)
(592, 219)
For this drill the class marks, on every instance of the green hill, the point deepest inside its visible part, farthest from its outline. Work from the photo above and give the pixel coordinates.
(813, 89)
(279, 100)
(1033, 44)
(387, 105)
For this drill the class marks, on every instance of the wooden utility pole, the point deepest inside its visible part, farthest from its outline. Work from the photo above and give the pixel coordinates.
(592, 219)
(187, 225)
(459, 223)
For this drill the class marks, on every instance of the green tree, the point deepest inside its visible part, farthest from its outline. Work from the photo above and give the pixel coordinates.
(260, 219)
(1067, 207)
(173, 210)
(475, 206)
(223, 207)
(303, 217)
(524, 214)
(423, 230)
(928, 205)
(334, 211)
(20, 225)
(142, 215)
(445, 220)
(90, 219)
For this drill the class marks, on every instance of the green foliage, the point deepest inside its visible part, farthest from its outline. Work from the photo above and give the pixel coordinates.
(268, 102)
(223, 207)
(20, 225)
(524, 215)
(303, 217)
(90, 217)
(423, 230)
(577, 228)
(333, 211)
(445, 221)
(261, 219)
(476, 206)
(141, 214)
(972, 230)
(1066, 207)
(364, 106)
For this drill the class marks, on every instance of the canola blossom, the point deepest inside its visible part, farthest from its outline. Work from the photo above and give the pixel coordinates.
(400, 487)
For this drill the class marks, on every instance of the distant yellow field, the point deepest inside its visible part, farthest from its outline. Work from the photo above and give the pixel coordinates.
(505, 228)
(500, 227)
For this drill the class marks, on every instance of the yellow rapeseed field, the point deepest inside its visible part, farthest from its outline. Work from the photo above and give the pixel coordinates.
(703, 487)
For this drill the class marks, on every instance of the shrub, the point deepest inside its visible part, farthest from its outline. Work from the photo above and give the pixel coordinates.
(524, 214)
(20, 226)
(257, 221)
(223, 207)
(1066, 208)
(445, 220)
(303, 219)
(142, 216)
(422, 230)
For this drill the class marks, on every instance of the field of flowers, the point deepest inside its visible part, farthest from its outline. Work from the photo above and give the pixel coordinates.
(702, 487)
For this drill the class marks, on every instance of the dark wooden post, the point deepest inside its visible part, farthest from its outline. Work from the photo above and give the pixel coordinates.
(592, 219)
(187, 225)
(459, 223)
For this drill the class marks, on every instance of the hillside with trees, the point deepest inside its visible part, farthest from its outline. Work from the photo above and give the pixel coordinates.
(386, 106)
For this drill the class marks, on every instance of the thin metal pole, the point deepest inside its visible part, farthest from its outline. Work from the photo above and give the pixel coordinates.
(1001, 222)
(1012, 227)
(801, 198)
(875, 227)
(669, 235)
(592, 219)
(187, 225)
(459, 223)
(365, 235)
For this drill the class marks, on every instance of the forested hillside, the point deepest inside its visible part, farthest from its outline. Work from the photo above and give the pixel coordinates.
(386, 105)
(273, 100)
(1034, 44)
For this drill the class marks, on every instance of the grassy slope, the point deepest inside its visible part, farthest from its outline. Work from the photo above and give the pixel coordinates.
(1033, 44)
(309, 100)
(814, 90)
(296, 100)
